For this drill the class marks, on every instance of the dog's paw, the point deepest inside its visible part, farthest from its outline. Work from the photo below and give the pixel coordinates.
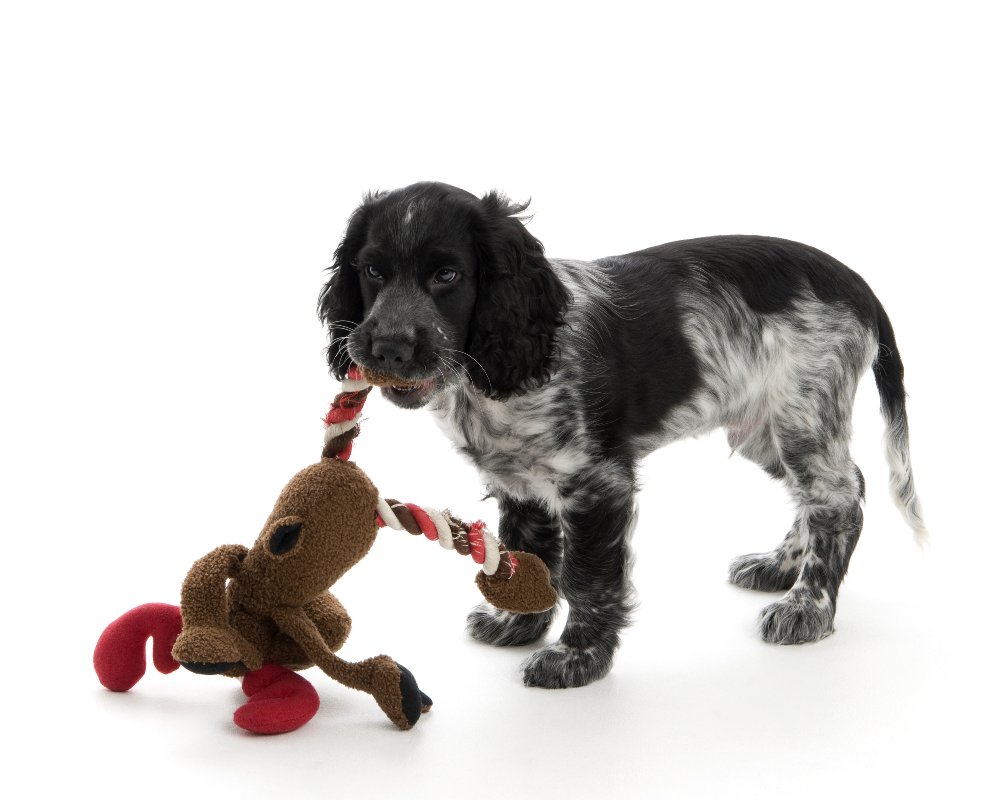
(796, 619)
(505, 628)
(560, 666)
(765, 572)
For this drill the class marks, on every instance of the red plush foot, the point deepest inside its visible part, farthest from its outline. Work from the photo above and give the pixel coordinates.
(120, 655)
(280, 701)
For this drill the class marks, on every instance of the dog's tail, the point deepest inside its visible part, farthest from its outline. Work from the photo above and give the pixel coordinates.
(888, 369)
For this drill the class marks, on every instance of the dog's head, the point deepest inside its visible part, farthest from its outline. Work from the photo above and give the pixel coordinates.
(433, 285)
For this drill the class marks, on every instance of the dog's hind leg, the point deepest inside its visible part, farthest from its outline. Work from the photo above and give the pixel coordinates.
(527, 526)
(829, 489)
(777, 570)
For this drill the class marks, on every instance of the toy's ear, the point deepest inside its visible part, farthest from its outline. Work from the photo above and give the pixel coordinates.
(340, 304)
(519, 303)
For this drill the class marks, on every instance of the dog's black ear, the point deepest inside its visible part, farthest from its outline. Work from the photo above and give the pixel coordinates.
(340, 306)
(519, 303)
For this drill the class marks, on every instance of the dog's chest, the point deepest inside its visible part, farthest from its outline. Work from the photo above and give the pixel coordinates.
(524, 446)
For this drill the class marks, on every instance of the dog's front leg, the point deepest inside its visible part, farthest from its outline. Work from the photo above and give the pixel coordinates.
(524, 525)
(597, 515)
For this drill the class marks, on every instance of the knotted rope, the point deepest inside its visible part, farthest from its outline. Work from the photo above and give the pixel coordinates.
(343, 425)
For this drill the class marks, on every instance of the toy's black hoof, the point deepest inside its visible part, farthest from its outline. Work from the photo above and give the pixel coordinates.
(413, 698)
(203, 668)
(426, 701)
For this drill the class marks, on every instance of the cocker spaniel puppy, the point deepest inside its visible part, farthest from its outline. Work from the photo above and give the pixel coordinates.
(556, 376)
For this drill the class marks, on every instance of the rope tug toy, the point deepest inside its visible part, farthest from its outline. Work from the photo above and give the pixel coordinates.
(263, 612)
(343, 425)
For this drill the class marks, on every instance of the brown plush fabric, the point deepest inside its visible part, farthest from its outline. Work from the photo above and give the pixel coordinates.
(335, 503)
(205, 612)
(529, 591)
(377, 378)
(379, 676)
(270, 604)
(277, 607)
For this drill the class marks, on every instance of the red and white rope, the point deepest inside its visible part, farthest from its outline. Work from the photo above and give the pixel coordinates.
(473, 539)
(452, 534)
(345, 410)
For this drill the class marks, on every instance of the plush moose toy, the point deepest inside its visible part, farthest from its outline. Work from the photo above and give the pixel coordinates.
(265, 611)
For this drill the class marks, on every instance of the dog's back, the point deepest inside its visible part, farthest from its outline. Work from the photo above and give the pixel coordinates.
(770, 322)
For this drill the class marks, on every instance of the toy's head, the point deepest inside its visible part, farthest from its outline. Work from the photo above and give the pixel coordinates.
(322, 525)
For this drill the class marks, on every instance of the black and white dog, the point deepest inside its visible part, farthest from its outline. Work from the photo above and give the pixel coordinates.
(555, 377)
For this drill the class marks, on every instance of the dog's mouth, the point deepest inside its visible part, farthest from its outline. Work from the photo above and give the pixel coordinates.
(410, 395)
(405, 392)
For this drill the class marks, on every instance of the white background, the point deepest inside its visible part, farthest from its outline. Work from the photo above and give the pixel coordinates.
(175, 178)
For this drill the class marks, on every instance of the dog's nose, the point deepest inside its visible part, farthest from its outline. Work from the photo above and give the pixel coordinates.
(392, 352)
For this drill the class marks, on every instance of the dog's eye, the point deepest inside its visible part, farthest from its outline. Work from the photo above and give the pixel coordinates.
(445, 276)
(372, 273)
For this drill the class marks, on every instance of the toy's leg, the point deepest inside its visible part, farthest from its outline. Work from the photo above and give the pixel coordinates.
(333, 623)
(597, 516)
(331, 620)
(120, 654)
(392, 685)
(209, 645)
(279, 701)
(526, 526)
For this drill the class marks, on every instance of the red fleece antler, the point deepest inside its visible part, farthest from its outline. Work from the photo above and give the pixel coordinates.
(120, 655)
(279, 701)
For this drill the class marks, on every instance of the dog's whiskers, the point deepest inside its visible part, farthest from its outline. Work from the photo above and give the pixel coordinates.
(342, 324)
(455, 366)
(474, 361)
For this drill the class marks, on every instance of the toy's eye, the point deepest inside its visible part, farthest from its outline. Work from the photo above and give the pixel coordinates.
(445, 276)
(284, 538)
(372, 273)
